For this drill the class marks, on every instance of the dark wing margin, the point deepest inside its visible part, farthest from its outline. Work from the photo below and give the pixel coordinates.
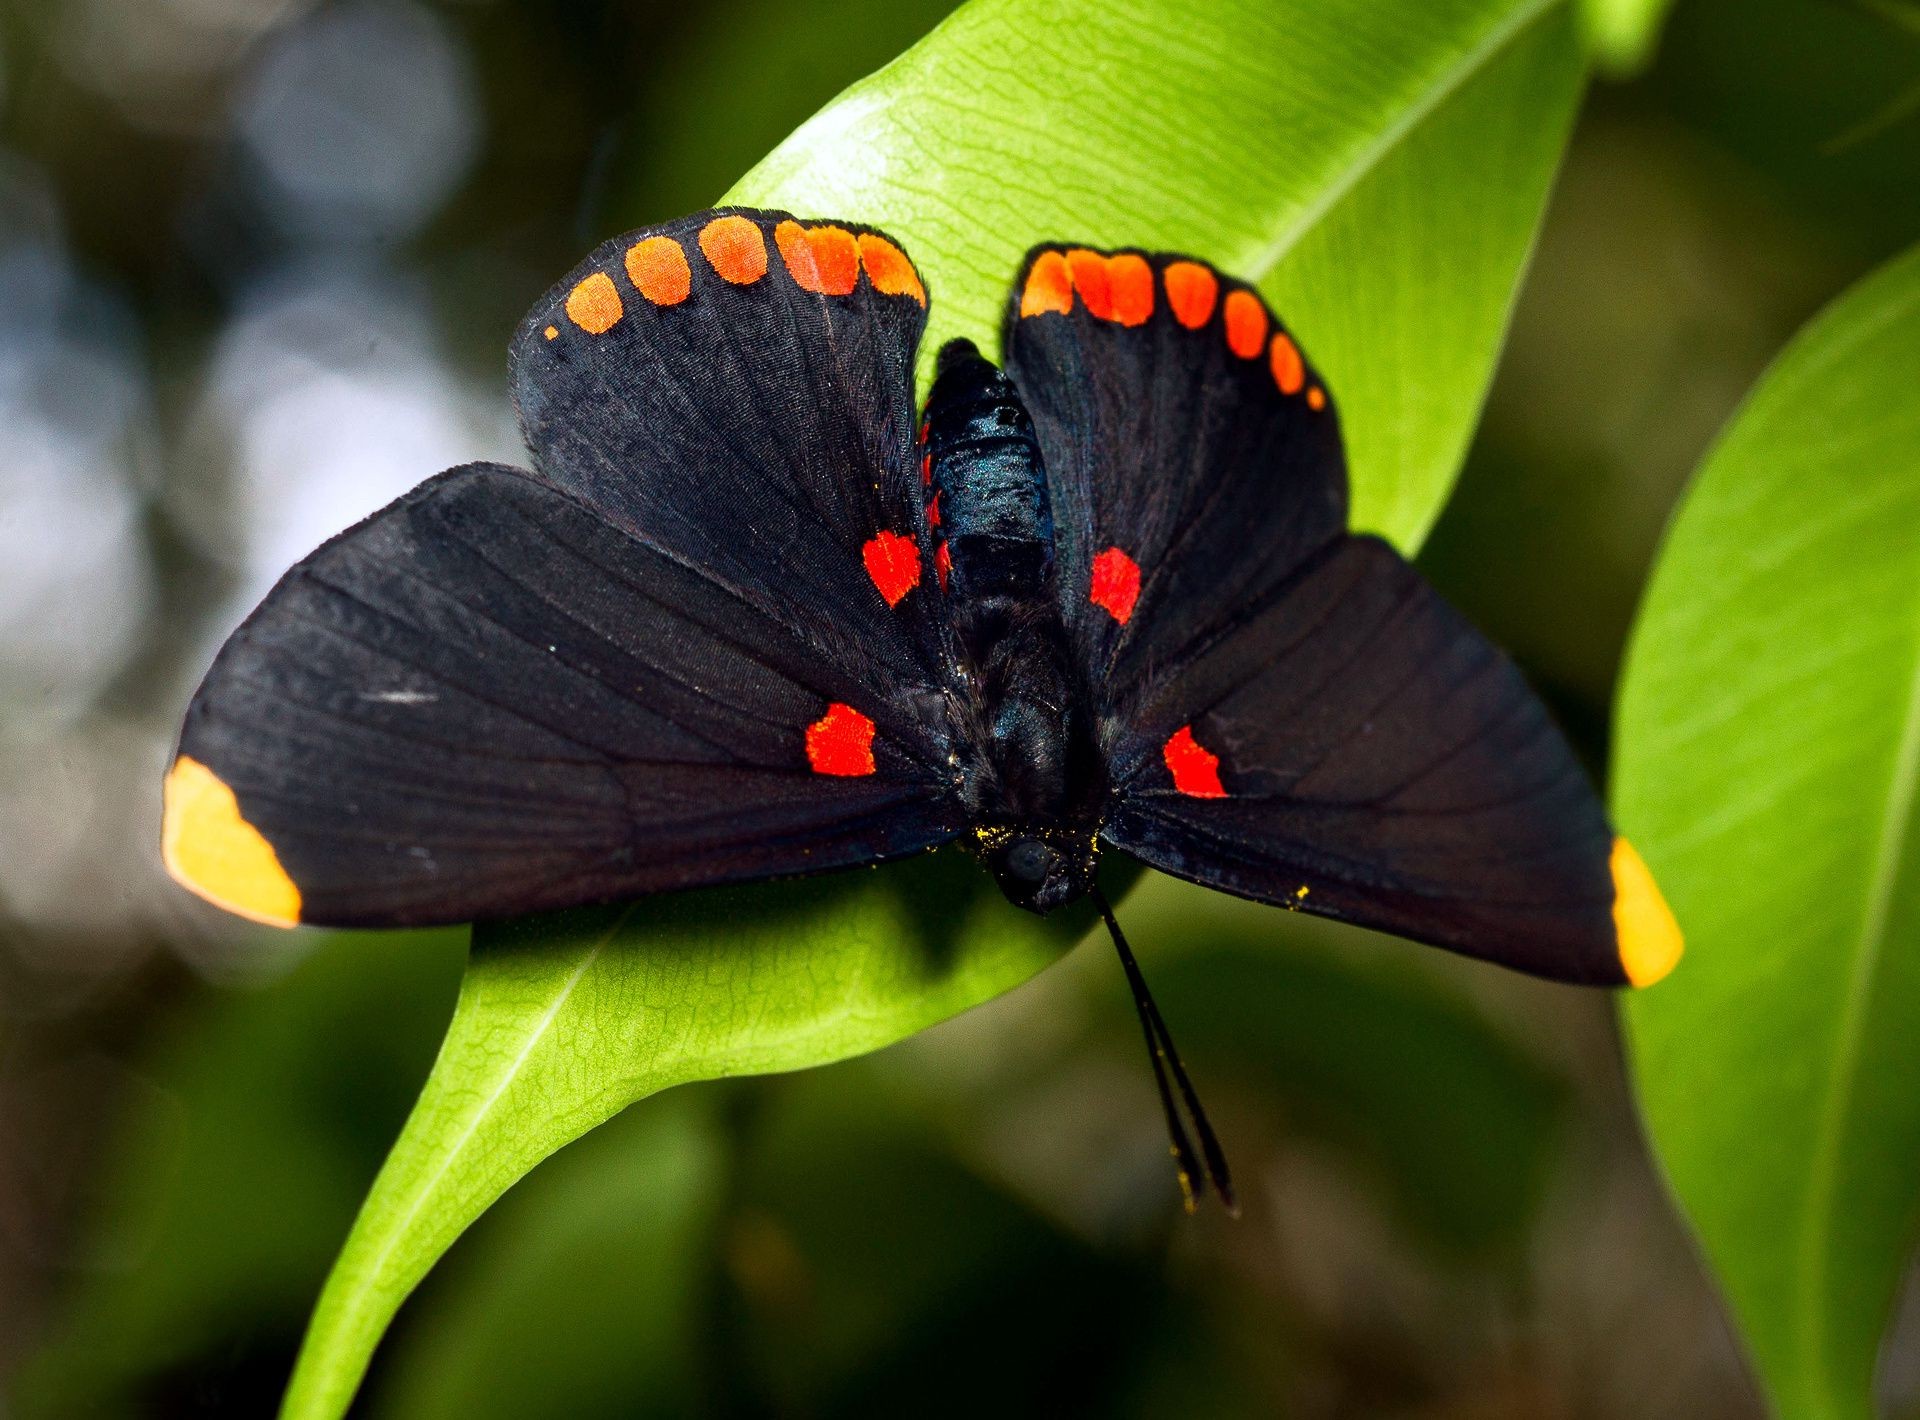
(1193, 454)
(1353, 747)
(487, 700)
(736, 387)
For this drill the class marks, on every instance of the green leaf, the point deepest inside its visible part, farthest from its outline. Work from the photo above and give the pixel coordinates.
(1622, 33)
(1380, 170)
(1768, 744)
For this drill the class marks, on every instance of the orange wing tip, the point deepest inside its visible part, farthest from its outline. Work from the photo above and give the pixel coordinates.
(1649, 939)
(211, 850)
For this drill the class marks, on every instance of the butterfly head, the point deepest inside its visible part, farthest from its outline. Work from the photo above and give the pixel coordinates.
(1039, 868)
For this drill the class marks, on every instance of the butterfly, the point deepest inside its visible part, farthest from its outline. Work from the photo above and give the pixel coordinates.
(750, 617)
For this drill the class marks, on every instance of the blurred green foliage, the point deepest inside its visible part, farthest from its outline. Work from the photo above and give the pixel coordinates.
(1449, 1208)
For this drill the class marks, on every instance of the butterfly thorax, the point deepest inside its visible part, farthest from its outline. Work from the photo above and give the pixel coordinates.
(1028, 769)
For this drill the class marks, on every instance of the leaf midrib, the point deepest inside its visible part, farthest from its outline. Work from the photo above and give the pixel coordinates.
(402, 1228)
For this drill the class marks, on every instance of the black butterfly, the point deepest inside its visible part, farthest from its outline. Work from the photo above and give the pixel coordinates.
(746, 621)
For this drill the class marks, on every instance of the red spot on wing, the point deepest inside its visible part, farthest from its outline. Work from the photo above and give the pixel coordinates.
(933, 510)
(824, 260)
(1049, 286)
(1246, 324)
(840, 742)
(735, 249)
(1196, 773)
(888, 268)
(894, 564)
(926, 464)
(658, 268)
(1089, 270)
(1191, 292)
(1116, 584)
(1289, 371)
(942, 564)
(1132, 282)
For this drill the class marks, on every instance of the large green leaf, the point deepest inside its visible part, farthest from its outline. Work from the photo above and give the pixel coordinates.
(1379, 169)
(1768, 747)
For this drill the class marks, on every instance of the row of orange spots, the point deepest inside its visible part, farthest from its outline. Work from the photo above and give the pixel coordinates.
(1120, 288)
(893, 562)
(1116, 584)
(824, 259)
(888, 268)
(1196, 772)
(840, 743)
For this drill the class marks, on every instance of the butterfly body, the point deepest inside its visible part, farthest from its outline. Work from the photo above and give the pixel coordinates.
(1027, 768)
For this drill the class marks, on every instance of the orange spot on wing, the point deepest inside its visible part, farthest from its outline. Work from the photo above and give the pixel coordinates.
(551, 332)
(211, 849)
(1191, 291)
(594, 305)
(1049, 286)
(1196, 773)
(1289, 371)
(1116, 584)
(888, 268)
(894, 564)
(1089, 270)
(1130, 280)
(1316, 398)
(1246, 324)
(658, 268)
(942, 564)
(840, 742)
(823, 260)
(735, 249)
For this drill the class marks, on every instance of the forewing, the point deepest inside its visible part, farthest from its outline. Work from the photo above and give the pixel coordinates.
(1193, 454)
(736, 388)
(1352, 747)
(488, 699)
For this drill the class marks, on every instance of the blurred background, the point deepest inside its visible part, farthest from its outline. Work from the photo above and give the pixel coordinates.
(258, 263)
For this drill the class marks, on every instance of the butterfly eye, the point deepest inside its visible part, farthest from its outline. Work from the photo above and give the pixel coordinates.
(1030, 860)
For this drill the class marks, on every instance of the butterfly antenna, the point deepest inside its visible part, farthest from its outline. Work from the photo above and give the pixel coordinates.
(1165, 1057)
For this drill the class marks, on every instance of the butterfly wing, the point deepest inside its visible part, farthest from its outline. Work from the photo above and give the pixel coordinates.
(685, 654)
(487, 699)
(736, 388)
(1193, 456)
(1288, 712)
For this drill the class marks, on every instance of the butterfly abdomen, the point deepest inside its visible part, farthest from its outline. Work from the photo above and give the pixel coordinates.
(1028, 757)
(988, 483)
